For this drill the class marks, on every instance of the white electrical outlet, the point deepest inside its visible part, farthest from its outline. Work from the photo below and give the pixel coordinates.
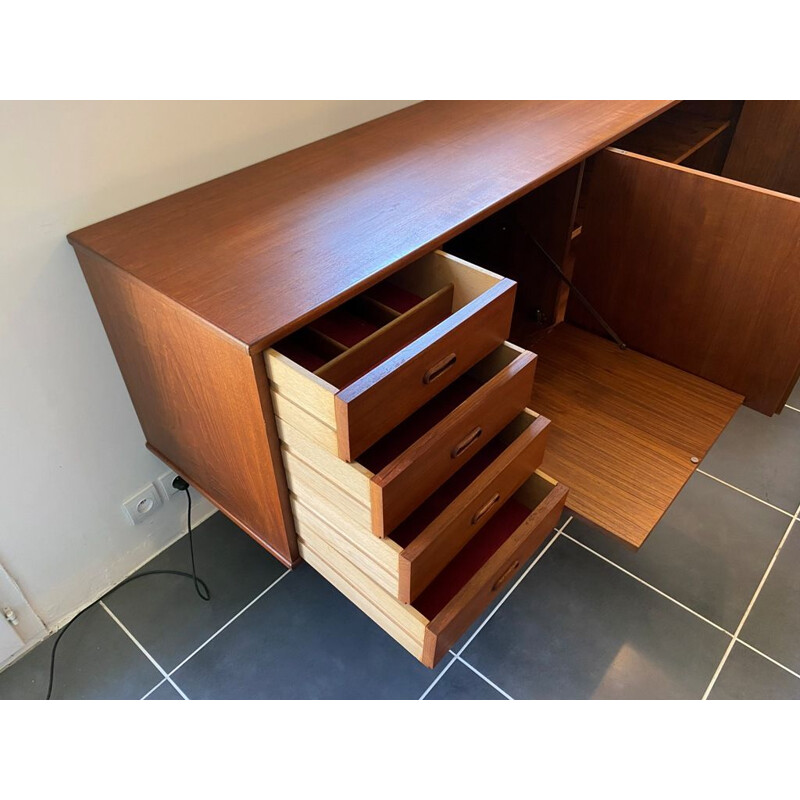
(164, 483)
(139, 507)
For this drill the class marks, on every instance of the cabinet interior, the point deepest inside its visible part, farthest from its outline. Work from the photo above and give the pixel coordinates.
(695, 273)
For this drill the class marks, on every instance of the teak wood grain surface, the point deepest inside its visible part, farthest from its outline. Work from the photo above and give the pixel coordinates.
(430, 460)
(387, 340)
(765, 147)
(262, 251)
(624, 428)
(377, 402)
(440, 541)
(695, 270)
(447, 626)
(203, 404)
(675, 135)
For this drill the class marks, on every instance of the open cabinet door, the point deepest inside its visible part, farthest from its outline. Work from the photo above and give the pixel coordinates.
(695, 270)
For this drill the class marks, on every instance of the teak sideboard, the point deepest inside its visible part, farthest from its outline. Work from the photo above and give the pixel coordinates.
(396, 353)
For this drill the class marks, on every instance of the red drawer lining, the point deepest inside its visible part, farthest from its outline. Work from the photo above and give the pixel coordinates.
(471, 558)
(407, 531)
(385, 450)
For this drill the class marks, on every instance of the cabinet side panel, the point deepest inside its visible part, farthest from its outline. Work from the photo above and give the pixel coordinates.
(202, 401)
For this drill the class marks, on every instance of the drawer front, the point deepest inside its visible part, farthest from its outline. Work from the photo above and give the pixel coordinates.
(427, 555)
(432, 459)
(369, 352)
(430, 639)
(454, 619)
(377, 402)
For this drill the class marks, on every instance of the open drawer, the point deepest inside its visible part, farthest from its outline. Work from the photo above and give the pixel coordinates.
(436, 532)
(392, 478)
(407, 561)
(360, 370)
(452, 602)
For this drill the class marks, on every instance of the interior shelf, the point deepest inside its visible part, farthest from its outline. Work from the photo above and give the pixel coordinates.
(674, 136)
(625, 428)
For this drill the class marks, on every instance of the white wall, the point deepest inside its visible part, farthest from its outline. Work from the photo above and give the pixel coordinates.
(71, 449)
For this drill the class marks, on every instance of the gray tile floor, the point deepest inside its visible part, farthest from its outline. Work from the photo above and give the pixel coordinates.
(709, 607)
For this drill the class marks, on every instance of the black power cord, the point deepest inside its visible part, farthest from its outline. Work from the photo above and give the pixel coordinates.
(199, 584)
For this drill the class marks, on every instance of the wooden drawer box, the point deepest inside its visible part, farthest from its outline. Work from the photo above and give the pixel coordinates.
(436, 532)
(445, 610)
(391, 479)
(359, 371)
(408, 560)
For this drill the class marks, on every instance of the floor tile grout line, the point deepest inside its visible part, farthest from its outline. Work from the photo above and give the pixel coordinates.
(769, 658)
(560, 531)
(734, 638)
(483, 677)
(494, 610)
(757, 592)
(648, 585)
(438, 678)
(157, 686)
(229, 622)
(742, 491)
(457, 656)
(514, 585)
(718, 670)
(143, 649)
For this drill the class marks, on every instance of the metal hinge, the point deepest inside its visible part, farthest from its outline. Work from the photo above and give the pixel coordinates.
(10, 616)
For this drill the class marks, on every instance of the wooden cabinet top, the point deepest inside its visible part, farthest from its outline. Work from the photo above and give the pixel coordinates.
(259, 252)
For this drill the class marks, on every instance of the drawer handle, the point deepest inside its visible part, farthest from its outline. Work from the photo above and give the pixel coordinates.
(439, 368)
(484, 509)
(466, 442)
(505, 576)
